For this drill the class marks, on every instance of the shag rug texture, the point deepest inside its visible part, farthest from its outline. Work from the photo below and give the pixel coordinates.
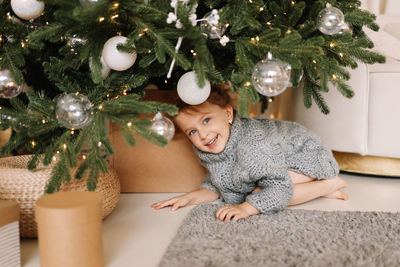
(286, 238)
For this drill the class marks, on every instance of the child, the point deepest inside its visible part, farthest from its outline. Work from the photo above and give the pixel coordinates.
(255, 165)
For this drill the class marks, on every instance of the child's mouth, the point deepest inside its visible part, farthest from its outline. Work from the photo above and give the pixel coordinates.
(212, 142)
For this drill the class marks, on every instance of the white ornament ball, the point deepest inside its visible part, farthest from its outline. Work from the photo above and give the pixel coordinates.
(27, 9)
(115, 59)
(163, 126)
(330, 20)
(190, 92)
(271, 77)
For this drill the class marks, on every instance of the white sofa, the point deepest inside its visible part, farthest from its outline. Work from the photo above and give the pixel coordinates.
(368, 123)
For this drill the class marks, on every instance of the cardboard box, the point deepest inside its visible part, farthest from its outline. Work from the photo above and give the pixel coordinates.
(146, 167)
(10, 252)
(69, 229)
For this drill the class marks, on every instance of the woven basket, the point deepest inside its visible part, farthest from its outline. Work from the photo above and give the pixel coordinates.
(25, 187)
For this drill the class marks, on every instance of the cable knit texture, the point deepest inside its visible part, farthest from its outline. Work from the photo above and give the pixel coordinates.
(259, 152)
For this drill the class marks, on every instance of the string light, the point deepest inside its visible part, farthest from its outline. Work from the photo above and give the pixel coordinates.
(129, 124)
(269, 23)
(293, 3)
(334, 76)
(64, 146)
(33, 143)
(101, 19)
(101, 106)
(43, 121)
(54, 158)
(23, 44)
(341, 54)
(1, 38)
(314, 61)
(247, 84)
(257, 38)
(99, 144)
(115, 5)
(332, 44)
(270, 100)
(288, 31)
(83, 157)
(115, 16)
(261, 8)
(165, 81)
(72, 132)
(149, 51)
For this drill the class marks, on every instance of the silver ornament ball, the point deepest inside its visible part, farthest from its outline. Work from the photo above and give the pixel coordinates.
(271, 76)
(330, 20)
(8, 87)
(163, 126)
(211, 28)
(73, 110)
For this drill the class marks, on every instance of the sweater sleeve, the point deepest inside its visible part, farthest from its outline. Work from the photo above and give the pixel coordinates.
(208, 184)
(275, 195)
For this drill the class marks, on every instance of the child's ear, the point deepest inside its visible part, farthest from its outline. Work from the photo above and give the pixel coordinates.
(229, 111)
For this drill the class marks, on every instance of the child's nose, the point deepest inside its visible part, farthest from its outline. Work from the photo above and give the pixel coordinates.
(203, 135)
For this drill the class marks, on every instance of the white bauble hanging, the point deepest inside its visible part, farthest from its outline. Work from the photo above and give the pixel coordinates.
(163, 126)
(8, 87)
(330, 20)
(27, 9)
(73, 111)
(105, 70)
(115, 59)
(271, 76)
(190, 92)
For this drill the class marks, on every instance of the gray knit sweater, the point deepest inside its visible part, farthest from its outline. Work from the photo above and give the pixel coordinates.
(259, 152)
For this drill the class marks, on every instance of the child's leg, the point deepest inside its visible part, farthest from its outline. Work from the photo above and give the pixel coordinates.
(306, 191)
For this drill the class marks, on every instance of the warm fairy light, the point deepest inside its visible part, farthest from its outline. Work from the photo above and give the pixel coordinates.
(77, 93)
(165, 81)
(84, 157)
(257, 38)
(332, 44)
(23, 44)
(72, 132)
(261, 8)
(269, 23)
(247, 84)
(284, 13)
(314, 61)
(149, 51)
(65, 146)
(101, 19)
(108, 95)
(250, 1)
(288, 31)
(145, 29)
(33, 143)
(115, 16)
(116, 5)
(341, 54)
(334, 76)
(101, 106)
(129, 124)
(271, 116)
(191, 51)
(43, 121)
(293, 3)
(58, 152)
(270, 100)
(194, 54)
(1, 38)
(54, 158)
(227, 25)
(99, 144)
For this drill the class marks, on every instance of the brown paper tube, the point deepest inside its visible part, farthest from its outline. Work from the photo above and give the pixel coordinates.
(69, 229)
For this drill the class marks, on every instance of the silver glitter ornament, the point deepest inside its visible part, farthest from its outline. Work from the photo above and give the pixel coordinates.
(271, 76)
(8, 87)
(330, 20)
(163, 126)
(73, 110)
(75, 43)
(345, 28)
(211, 26)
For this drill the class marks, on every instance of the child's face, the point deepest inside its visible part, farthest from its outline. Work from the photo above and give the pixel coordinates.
(207, 126)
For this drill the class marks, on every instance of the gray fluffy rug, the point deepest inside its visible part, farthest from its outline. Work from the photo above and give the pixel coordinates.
(287, 238)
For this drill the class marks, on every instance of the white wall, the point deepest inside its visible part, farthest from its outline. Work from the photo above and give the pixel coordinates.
(387, 7)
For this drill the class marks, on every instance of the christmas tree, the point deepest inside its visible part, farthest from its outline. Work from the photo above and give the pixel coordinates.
(67, 67)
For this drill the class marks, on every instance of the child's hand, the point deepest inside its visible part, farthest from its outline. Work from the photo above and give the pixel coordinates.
(236, 212)
(175, 202)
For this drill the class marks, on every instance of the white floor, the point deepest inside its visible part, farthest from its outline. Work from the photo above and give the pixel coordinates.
(136, 235)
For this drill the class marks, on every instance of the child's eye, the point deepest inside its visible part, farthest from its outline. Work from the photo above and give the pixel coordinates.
(206, 120)
(192, 132)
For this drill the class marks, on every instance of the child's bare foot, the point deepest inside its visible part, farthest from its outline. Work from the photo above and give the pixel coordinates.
(338, 183)
(337, 195)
